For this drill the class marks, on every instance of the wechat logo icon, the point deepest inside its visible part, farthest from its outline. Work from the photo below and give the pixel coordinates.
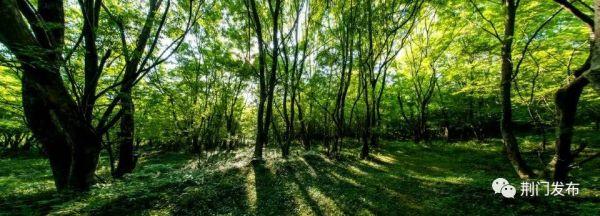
(501, 186)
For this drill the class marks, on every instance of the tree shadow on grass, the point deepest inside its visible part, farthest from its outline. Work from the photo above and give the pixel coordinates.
(312, 204)
(354, 188)
(223, 192)
(400, 179)
(214, 194)
(432, 183)
(32, 204)
(272, 197)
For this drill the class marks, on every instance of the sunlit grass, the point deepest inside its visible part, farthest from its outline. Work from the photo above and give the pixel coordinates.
(323, 200)
(400, 178)
(251, 190)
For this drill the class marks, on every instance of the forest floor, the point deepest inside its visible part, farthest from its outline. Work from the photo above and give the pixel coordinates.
(402, 178)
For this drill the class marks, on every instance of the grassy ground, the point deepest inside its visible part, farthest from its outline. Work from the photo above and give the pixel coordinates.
(402, 178)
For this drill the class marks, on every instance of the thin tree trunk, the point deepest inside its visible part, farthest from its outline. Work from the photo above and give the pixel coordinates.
(303, 128)
(132, 67)
(510, 142)
(126, 135)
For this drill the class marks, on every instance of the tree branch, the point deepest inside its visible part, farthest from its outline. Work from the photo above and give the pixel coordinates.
(578, 13)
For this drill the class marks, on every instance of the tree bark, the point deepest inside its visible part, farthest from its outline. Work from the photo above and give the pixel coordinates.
(510, 142)
(567, 97)
(303, 129)
(133, 64)
(261, 134)
(272, 82)
(566, 100)
(126, 135)
(72, 144)
(594, 74)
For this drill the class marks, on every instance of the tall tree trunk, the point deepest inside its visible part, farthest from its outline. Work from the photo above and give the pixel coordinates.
(71, 142)
(126, 134)
(272, 82)
(567, 97)
(132, 66)
(364, 153)
(286, 118)
(510, 142)
(566, 100)
(593, 76)
(261, 133)
(286, 142)
(303, 129)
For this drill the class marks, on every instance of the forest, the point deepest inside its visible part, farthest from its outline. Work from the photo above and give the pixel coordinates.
(299, 107)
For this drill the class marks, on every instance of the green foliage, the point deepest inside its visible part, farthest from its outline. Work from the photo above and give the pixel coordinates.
(11, 113)
(439, 73)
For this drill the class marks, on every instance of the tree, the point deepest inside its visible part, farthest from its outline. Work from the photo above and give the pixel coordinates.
(69, 129)
(267, 78)
(346, 35)
(426, 46)
(567, 99)
(70, 140)
(380, 39)
(293, 67)
(508, 136)
(137, 64)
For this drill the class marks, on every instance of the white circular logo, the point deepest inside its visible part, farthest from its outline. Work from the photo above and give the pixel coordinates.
(498, 184)
(509, 191)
